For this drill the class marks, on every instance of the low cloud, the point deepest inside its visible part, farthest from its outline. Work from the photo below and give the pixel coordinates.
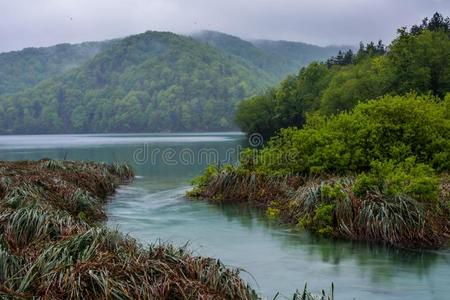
(25, 23)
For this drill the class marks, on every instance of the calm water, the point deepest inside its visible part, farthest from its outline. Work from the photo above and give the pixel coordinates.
(153, 208)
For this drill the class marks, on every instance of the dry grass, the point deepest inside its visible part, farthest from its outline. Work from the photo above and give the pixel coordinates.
(329, 207)
(53, 246)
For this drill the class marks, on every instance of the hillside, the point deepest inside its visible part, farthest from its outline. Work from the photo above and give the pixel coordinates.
(276, 57)
(246, 51)
(297, 54)
(155, 81)
(148, 82)
(25, 68)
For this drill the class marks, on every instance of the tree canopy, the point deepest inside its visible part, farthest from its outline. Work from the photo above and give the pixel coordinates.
(418, 60)
(155, 81)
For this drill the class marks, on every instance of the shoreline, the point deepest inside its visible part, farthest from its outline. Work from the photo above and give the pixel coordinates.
(327, 207)
(53, 243)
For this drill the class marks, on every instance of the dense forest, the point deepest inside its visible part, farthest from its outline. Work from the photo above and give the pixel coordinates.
(417, 60)
(359, 147)
(22, 69)
(275, 57)
(155, 81)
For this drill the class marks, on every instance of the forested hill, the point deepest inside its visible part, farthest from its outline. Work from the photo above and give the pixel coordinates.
(277, 57)
(297, 54)
(22, 69)
(155, 81)
(416, 61)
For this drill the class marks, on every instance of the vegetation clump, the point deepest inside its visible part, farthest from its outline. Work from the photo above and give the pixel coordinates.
(53, 246)
(377, 173)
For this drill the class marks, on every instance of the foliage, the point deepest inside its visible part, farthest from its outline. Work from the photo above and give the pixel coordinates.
(203, 180)
(421, 62)
(155, 81)
(321, 221)
(23, 69)
(416, 61)
(365, 51)
(356, 168)
(273, 210)
(254, 114)
(340, 207)
(284, 106)
(436, 23)
(306, 176)
(205, 177)
(399, 179)
(392, 127)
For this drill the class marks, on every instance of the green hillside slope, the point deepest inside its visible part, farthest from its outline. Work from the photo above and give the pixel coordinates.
(25, 68)
(297, 54)
(279, 58)
(155, 81)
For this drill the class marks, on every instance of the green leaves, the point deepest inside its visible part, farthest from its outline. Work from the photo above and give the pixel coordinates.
(418, 62)
(421, 63)
(391, 128)
(399, 179)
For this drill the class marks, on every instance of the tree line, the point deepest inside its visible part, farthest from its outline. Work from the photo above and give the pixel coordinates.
(417, 60)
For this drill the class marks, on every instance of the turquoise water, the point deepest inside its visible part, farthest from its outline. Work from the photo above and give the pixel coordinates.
(153, 208)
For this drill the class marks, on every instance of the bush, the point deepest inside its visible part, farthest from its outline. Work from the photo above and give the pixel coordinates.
(205, 177)
(391, 128)
(399, 179)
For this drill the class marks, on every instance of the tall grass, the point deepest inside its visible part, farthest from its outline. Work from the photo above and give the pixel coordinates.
(52, 245)
(328, 206)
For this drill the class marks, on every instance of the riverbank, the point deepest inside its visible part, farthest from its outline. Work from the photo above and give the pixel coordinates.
(53, 243)
(332, 206)
(376, 173)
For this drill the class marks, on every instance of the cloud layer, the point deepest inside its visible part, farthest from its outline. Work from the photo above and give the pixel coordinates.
(25, 23)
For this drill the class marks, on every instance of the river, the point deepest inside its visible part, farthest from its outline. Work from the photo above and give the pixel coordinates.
(273, 258)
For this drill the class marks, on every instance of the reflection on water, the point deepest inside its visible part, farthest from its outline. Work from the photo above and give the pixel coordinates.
(279, 259)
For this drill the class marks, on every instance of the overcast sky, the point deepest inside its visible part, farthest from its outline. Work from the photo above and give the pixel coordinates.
(25, 23)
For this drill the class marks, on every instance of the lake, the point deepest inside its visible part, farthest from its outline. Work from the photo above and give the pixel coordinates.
(275, 258)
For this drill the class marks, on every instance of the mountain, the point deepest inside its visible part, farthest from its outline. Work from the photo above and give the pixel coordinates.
(276, 57)
(22, 69)
(298, 54)
(246, 51)
(154, 81)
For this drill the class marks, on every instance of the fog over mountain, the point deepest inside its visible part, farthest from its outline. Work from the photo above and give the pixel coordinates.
(153, 81)
(321, 22)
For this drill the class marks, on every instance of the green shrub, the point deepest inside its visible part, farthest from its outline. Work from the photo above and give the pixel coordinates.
(273, 211)
(390, 128)
(399, 179)
(332, 192)
(321, 221)
(205, 177)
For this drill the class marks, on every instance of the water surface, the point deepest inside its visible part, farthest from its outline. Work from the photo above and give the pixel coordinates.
(153, 208)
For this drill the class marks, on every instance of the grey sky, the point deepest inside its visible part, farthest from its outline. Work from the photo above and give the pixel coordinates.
(25, 23)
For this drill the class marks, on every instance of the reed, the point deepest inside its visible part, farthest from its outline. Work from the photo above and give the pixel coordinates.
(53, 245)
(329, 206)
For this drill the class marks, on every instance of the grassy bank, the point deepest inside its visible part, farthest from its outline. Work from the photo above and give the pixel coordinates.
(52, 243)
(332, 207)
(376, 173)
